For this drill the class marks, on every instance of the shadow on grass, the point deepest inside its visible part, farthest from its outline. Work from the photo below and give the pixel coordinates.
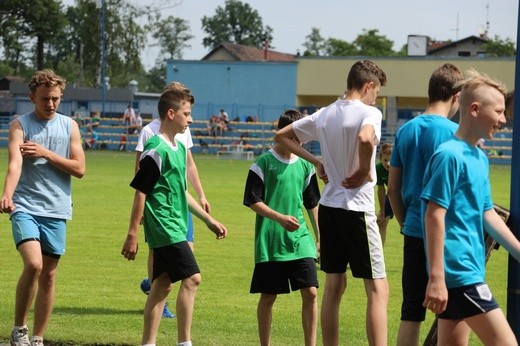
(83, 312)
(61, 310)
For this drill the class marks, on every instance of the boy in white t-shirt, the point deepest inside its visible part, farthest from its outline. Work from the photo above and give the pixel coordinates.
(349, 131)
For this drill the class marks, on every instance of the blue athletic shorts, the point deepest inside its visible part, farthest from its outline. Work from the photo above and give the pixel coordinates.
(468, 301)
(189, 235)
(50, 232)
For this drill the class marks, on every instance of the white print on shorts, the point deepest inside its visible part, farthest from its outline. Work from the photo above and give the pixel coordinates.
(484, 292)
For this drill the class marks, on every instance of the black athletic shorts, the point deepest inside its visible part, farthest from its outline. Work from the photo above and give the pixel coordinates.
(275, 277)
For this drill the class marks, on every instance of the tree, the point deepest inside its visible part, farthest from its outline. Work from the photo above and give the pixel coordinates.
(370, 43)
(236, 22)
(172, 34)
(38, 20)
(498, 47)
(314, 44)
(124, 40)
(337, 47)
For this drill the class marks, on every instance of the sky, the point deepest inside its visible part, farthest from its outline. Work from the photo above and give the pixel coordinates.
(293, 20)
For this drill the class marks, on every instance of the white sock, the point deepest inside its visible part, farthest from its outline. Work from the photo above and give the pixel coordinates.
(185, 343)
(19, 327)
(148, 345)
(35, 338)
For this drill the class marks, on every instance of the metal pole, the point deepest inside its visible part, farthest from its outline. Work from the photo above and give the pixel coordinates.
(513, 284)
(103, 59)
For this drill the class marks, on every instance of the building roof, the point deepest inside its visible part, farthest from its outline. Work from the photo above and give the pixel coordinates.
(437, 46)
(238, 52)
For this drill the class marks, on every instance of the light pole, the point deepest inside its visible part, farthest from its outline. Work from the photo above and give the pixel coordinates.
(100, 4)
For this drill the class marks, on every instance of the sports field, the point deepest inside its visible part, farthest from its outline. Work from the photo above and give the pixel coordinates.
(98, 300)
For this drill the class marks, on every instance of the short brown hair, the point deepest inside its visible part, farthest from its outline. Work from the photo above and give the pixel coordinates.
(288, 117)
(362, 72)
(442, 83)
(46, 78)
(386, 149)
(181, 87)
(172, 99)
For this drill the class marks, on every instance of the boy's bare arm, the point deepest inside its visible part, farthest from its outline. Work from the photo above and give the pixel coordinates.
(286, 137)
(288, 222)
(394, 194)
(73, 165)
(193, 177)
(130, 246)
(366, 149)
(436, 297)
(498, 230)
(216, 227)
(313, 218)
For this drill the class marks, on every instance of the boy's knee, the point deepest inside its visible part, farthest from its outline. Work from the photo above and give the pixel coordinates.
(193, 281)
(310, 293)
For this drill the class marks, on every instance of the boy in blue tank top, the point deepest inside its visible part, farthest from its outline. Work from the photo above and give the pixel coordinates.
(42, 143)
(457, 210)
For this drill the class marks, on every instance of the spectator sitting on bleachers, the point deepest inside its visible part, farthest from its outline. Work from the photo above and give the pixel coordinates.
(122, 142)
(224, 118)
(127, 115)
(136, 124)
(204, 147)
(92, 139)
(215, 127)
(95, 118)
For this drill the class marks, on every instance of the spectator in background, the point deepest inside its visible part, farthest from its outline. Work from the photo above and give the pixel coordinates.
(127, 115)
(224, 117)
(385, 209)
(138, 122)
(122, 142)
(95, 119)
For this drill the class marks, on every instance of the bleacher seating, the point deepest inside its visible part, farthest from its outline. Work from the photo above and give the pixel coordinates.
(249, 136)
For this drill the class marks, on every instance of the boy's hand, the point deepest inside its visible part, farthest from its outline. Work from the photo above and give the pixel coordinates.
(380, 217)
(436, 297)
(130, 247)
(320, 170)
(289, 223)
(7, 205)
(357, 179)
(219, 229)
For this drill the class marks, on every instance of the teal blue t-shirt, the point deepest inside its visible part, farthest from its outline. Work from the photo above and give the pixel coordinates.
(415, 143)
(457, 179)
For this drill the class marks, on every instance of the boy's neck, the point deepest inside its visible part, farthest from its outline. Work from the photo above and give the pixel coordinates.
(439, 108)
(168, 132)
(282, 151)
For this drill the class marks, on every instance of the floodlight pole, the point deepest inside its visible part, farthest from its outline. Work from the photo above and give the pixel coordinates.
(103, 60)
(513, 282)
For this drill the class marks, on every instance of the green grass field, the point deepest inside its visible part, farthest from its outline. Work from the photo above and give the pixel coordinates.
(98, 300)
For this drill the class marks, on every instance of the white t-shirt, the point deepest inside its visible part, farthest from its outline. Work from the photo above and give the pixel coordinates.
(336, 127)
(153, 128)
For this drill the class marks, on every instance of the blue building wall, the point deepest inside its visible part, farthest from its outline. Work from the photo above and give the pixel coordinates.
(261, 89)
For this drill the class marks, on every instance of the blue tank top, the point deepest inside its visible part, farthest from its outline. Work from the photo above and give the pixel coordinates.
(43, 189)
